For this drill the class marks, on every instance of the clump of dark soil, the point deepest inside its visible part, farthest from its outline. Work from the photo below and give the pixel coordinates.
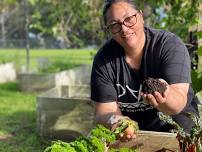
(151, 85)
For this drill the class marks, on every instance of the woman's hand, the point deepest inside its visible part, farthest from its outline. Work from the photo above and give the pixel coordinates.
(155, 99)
(126, 129)
(172, 101)
(128, 134)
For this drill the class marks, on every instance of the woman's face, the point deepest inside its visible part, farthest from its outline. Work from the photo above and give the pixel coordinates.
(132, 24)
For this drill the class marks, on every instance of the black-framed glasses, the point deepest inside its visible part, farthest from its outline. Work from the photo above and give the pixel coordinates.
(128, 22)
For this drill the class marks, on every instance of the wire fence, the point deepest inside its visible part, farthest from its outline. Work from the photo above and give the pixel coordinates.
(38, 60)
(47, 43)
(44, 59)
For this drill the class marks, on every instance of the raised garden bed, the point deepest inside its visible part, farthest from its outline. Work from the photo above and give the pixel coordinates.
(7, 72)
(65, 112)
(150, 141)
(35, 82)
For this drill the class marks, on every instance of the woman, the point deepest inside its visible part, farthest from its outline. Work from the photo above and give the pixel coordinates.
(134, 53)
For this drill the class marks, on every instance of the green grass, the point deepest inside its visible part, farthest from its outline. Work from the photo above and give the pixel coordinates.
(67, 58)
(17, 109)
(18, 121)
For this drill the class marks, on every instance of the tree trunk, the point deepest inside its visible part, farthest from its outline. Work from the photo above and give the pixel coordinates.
(3, 32)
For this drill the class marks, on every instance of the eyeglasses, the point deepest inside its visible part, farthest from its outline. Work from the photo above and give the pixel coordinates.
(129, 21)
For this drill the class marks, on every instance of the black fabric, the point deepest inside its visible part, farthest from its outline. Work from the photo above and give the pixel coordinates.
(112, 79)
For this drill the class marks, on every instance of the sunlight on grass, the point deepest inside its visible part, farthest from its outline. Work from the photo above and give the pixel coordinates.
(66, 58)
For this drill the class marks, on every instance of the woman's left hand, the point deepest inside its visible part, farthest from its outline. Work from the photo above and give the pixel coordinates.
(155, 99)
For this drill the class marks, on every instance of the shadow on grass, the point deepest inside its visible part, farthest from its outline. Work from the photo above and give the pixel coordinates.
(11, 86)
(20, 130)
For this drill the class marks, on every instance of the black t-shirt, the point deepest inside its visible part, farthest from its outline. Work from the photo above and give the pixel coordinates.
(165, 56)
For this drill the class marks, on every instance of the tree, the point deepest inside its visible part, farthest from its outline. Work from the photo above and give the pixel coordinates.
(78, 23)
(4, 14)
(174, 15)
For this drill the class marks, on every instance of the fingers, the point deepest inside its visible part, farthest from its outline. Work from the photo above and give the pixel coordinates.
(167, 88)
(127, 129)
(149, 98)
(155, 99)
(159, 97)
(128, 134)
(127, 137)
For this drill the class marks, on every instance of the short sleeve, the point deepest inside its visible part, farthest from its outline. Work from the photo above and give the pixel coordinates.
(175, 61)
(102, 86)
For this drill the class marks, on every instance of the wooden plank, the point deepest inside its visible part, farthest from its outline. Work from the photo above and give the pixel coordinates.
(149, 141)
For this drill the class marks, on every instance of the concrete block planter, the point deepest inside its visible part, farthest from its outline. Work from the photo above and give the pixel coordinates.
(33, 82)
(65, 112)
(7, 72)
(30, 82)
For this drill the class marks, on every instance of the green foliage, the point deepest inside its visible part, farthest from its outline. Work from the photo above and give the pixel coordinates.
(64, 19)
(199, 34)
(196, 80)
(82, 144)
(60, 146)
(97, 141)
(97, 144)
(200, 50)
(93, 143)
(189, 142)
(79, 23)
(173, 15)
(101, 132)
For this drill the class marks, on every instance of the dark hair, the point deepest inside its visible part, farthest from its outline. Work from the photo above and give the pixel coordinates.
(108, 4)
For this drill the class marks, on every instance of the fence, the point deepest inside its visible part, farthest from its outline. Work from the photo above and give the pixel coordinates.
(46, 60)
(33, 43)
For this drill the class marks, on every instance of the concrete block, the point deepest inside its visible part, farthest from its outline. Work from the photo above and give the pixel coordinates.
(62, 114)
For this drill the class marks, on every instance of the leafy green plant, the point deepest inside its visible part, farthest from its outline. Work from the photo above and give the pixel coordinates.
(97, 141)
(188, 142)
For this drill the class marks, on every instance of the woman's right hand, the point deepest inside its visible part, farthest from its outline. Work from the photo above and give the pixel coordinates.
(126, 129)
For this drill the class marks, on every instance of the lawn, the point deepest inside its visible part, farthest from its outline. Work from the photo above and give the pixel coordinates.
(17, 109)
(51, 60)
(18, 121)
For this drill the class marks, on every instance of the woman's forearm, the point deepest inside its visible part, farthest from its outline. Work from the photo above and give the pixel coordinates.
(175, 102)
